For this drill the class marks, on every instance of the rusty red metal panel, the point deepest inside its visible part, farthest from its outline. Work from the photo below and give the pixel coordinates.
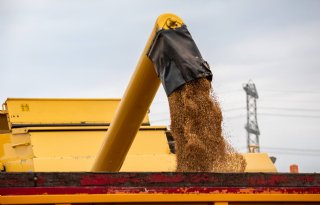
(162, 190)
(167, 182)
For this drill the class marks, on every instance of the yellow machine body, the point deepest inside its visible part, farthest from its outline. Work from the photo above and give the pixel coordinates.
(24, 112)
(65, 135)
(60, 135)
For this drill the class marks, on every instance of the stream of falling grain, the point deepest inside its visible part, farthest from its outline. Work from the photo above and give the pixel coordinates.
(196, 127)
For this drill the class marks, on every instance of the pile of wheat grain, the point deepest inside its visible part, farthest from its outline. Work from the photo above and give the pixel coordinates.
(196, 127)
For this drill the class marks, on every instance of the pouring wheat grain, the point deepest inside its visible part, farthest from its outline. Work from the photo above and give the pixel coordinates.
(195, 115)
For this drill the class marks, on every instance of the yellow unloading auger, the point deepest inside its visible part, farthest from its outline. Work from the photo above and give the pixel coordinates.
(134, 105)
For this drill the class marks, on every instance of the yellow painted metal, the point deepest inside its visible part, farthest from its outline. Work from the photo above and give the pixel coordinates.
(159, 198)
(74, 149)
(259, 162)
(134, 105)
(61, 111)
(19, 165)
(72, 143)
(78, 128)
(132, 163)
(4, 127)
(4, 139)
(17, 153)
(48, 149)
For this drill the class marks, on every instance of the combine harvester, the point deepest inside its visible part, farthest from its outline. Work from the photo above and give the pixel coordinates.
(104, 151)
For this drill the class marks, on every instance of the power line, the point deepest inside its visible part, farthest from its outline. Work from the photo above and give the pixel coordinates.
(291, 109)
(237, 101)
(275, 91)
(267, 108)
(275, 108)
(289, 115)
(293, 153)
(261, 114)
(287, 151)
(291, 149)
(293, 91)
(268, 99)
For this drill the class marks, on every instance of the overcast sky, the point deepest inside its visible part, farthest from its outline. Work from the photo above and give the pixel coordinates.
(89, 49)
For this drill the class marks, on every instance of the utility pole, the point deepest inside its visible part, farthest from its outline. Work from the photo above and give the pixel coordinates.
(252, 122)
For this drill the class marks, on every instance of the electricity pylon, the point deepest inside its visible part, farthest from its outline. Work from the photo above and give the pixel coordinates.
(252, 122)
